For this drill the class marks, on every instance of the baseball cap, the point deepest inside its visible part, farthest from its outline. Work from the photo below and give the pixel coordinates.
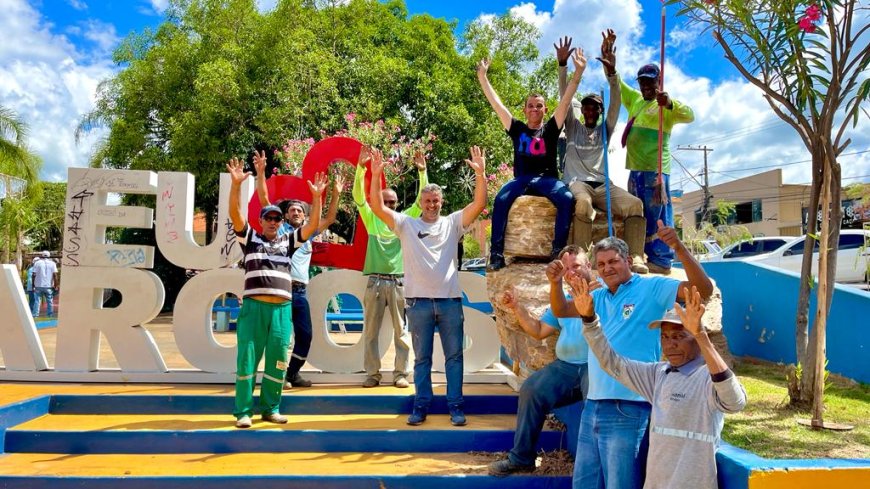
(670, 317)
(592, 97)
(648, 71)
(270, 209)
(46, 254)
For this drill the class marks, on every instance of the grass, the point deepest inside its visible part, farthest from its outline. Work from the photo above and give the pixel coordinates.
(768, 426)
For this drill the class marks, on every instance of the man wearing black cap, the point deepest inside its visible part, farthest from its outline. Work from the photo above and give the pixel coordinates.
(641, 140)
(265, 319)
(584, 157)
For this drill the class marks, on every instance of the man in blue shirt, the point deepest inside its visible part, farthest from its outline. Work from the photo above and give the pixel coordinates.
(560, 383)
(612, 443)
(295, 214)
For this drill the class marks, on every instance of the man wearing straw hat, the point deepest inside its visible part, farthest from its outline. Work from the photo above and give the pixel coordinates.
(585, 157)
(690, 392)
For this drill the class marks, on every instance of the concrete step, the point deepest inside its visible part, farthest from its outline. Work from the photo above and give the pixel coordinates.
(314, 470)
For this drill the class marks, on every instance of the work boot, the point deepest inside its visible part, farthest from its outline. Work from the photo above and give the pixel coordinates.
(638, 266)
(583, 233)
(371, 382)
(501, 468)
(635, 235)
(296, 380)
(496, 262)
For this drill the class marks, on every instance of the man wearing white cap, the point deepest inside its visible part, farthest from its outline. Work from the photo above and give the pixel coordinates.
(690, 392)
(44, 273)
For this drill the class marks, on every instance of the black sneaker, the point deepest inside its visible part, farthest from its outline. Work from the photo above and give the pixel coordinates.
(296, 380)
(505, 467)
(457, 417)
(496, 262)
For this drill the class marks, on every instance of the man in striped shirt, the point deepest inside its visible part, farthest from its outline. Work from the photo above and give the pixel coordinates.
(265, 319)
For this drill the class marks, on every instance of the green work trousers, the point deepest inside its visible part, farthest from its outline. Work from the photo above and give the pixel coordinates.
(261, 326)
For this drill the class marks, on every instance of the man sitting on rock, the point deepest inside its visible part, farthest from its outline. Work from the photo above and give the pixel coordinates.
(584, 158)
(535, 167)
(690, 392)
(561, 383)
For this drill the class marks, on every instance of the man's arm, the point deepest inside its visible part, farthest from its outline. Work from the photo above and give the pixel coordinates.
(532, 326)
(560, 307)
(608, 61)
(316, 188)
(565, 102)
(237, 175)
(382, 212)
(495, 102)
(332, 211)
(563, 52)
(478, 164)
(696, 275)
(423, 179)
(260, 167)
(637, 376)
(728, 396)
(359, 178)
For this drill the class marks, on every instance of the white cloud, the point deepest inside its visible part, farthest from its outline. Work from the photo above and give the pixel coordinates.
(77, 4)
(102, 34)
(50, 85)
(159, 6)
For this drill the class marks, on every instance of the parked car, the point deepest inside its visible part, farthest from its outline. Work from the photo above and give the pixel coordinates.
(853, 256)
(474, 264)
(702, 249)
(751, 247)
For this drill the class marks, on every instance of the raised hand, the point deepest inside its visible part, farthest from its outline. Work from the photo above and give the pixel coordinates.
(555, 271)
(420, 160)
(260, 162)
(318, 185)
(364, 155)
(236, 167)
(608, 51)
(668, 235)
(477, 161)
(579, 60)
(691, 315)
(581, 294)
(663, 99)
(563, 50)
(338, 184)
(483, 67)
(378, 162)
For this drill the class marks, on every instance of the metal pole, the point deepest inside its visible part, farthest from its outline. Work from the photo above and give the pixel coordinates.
(604, 141)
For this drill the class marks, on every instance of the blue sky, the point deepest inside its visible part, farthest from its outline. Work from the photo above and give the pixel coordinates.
(56, 52)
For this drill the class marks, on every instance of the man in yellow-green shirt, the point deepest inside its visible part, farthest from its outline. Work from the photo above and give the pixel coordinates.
(383, 266)
(641, 140)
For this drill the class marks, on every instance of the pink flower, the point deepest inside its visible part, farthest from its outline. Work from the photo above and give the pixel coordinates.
(806, 25)
(350, 117)
(814, 12)
(485, 212)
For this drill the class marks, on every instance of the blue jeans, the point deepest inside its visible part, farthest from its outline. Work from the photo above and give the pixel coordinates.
(38, 294)
(424, 315)
(301, 330)
(549, 187)
(642, 185)
(612, 445)
(558, 384)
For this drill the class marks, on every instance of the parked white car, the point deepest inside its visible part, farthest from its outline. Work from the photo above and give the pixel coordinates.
(751, 247)
(853, 256)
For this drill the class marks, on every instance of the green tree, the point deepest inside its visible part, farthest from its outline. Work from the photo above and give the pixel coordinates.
(809, 59)
(19, 171)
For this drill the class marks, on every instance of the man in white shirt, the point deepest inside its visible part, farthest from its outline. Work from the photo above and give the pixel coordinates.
(44, 273)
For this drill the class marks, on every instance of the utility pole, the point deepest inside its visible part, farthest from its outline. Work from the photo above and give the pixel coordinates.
(705, 214)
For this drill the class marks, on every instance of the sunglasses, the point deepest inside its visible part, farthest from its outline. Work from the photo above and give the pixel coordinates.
(273, 218)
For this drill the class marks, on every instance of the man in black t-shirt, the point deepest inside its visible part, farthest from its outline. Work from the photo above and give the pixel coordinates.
(535, 169)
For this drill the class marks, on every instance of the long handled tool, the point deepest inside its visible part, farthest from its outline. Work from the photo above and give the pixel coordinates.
(659, 196)
(604, 140)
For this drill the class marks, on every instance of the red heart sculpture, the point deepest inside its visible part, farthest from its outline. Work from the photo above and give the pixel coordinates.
(283, 187)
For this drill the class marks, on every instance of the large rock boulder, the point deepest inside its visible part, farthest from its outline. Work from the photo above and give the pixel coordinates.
(530, 228)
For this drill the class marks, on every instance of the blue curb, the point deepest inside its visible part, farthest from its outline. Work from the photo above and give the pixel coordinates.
(261, 441)
(20, 412)
(296, 482)
(368, 404)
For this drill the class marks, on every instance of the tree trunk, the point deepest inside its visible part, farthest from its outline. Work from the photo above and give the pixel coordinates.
(820, 323)
(802, 393)
(209, 225)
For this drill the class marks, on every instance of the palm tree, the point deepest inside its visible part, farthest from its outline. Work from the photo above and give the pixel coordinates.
(17, 164)
(15, 158)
